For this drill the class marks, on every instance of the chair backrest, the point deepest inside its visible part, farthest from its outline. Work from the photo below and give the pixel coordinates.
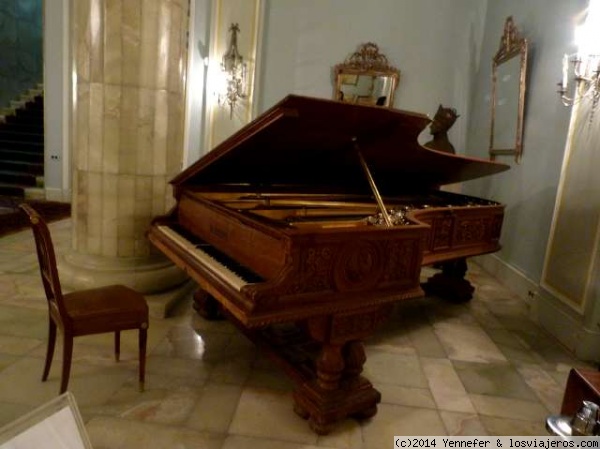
(47, 262)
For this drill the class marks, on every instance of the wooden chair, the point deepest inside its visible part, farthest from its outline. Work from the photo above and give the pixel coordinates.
(105, 309)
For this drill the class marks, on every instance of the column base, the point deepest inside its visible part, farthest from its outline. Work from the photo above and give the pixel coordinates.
(161, 304)
(147, 275)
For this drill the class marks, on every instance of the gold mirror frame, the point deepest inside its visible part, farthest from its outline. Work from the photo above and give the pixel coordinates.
(366, 77)
(509, 69)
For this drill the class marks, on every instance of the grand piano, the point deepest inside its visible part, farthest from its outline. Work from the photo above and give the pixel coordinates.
(306, 226)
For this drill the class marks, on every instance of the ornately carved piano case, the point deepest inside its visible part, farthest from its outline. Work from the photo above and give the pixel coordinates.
(283, 225)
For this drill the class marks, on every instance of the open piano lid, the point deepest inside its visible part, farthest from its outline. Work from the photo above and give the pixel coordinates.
(308, 144)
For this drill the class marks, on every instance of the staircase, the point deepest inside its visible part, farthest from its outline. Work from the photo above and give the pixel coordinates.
(22, 147)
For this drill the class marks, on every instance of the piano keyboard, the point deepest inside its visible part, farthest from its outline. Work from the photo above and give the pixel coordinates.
(220, 264)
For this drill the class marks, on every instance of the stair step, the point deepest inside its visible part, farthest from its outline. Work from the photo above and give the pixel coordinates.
(19, 117)
(15, 145)
(17, 104)
(10, 135)
(22, 146)
(21, 156)
(31, 168)
(36, 93)
(36, 103)
(33, 105)
(12, 190)
(30, 114)
(32, 109)
(22, 128)
(20, 179)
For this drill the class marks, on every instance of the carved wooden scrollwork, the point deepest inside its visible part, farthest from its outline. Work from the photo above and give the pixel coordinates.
(469, 231)
(368, 57)
(443, 232)
(511, 42)
(353, 266)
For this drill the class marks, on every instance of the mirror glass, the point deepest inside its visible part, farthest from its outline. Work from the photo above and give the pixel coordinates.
(366, 78)
(508, 94)
(507, 104)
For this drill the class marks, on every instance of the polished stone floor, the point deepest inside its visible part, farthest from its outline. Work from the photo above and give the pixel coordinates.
(481, 368)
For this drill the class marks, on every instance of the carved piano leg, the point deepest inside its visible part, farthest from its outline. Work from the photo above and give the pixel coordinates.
(338, 390)
(207, 306)
(355, 358)
(450, 283)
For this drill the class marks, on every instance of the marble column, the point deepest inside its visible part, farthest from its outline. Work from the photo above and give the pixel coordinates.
(127, 132)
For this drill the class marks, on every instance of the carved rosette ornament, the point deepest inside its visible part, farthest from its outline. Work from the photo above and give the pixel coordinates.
(359, 266)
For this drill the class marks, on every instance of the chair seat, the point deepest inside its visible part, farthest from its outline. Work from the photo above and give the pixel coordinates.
(106, 309)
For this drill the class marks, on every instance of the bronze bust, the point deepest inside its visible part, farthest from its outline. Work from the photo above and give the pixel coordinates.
(442, 121)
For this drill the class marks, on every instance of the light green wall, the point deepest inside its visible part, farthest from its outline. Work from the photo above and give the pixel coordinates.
(434, 44)
(529, 189)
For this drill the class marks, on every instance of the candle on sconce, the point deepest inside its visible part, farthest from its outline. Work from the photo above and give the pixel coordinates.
(565, 71)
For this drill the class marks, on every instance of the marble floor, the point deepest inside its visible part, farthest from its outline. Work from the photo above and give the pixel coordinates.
(482, 368)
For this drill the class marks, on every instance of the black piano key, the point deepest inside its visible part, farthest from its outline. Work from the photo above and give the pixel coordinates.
(244, 272)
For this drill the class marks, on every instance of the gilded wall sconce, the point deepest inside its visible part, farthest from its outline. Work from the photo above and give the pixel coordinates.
(234, 71)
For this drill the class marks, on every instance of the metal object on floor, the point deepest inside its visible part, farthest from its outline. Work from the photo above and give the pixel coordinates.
(583, 423)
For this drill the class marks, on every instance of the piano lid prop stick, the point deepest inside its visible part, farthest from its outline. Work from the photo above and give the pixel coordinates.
(363, 164)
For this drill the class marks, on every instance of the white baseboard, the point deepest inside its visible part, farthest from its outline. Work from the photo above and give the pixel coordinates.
(63, 196)
(513, 279)
(563, 323)
(570, 327)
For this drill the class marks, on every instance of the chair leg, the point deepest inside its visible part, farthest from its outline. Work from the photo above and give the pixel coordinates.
(66, 368)
(142, 348)
(50, 348)
(117, 345)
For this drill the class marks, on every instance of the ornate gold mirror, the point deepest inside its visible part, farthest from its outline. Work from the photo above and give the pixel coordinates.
(509, 68)
(366, 77)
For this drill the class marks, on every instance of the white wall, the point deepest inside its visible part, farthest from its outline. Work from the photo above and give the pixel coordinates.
(200, 11)
(57, 176)
(434, 43)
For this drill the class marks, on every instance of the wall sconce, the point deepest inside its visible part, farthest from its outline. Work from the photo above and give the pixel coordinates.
(585, 63)
(234, 71)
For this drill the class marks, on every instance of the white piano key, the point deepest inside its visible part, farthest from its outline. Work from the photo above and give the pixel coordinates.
(215, 266)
